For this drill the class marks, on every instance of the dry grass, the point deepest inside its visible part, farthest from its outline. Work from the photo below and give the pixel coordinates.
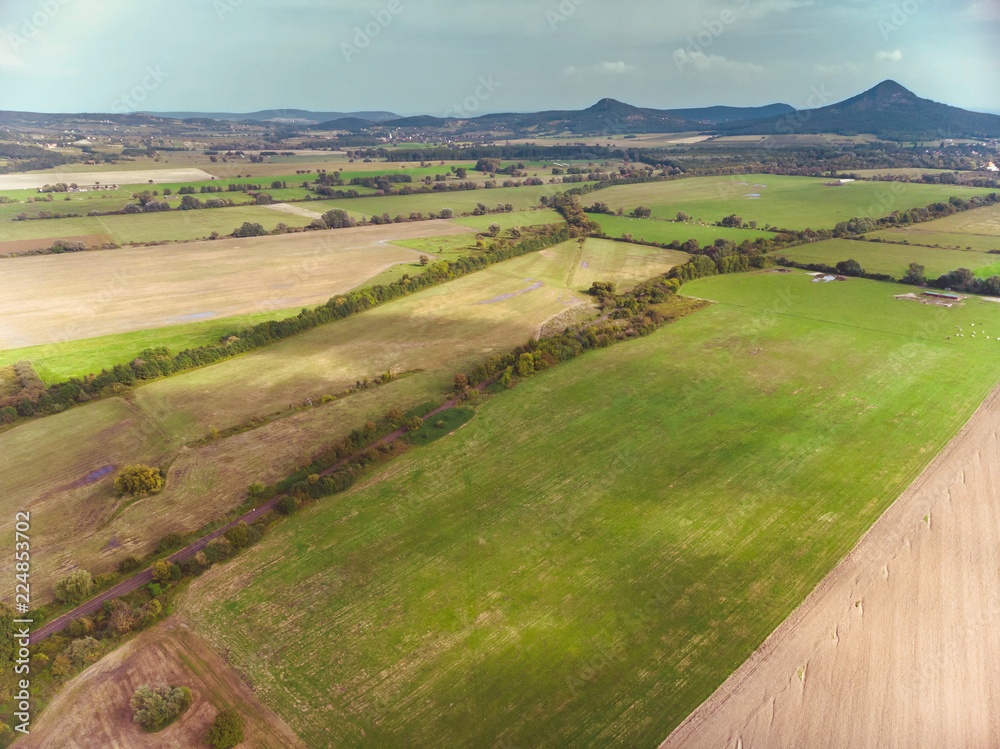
(92, 710)
(65, 297)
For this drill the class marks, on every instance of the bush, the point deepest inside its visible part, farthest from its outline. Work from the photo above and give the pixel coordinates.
(139, 480)
(83, 652)
(250, 229)
(75, 587)
(155, 707)
(414, 424)
(226, 730)
(238, 535)
(129, 564)
(169, 542)
(286, 505)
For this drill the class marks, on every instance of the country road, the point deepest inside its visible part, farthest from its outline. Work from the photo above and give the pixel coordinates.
(146, 576)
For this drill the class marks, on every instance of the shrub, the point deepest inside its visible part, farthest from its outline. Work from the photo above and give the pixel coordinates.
(129, 564)
(286, 505)
(83, 651)
(75, 587)
(250, 229)
(414, 424)
(162, 571)
(226, 730)
(238, 535)
(218, 549)
(155, 707)
(139, 480)
(168, 542)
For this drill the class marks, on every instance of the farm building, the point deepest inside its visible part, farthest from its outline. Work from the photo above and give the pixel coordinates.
(943, 295)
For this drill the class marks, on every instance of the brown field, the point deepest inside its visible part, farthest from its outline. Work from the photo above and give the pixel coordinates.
(20, 246)
(52, 298)
(441, 331)
(92, 712)
(898, 645)
(132, 177)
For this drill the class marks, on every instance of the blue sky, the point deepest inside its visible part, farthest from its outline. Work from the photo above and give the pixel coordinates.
(425, 56)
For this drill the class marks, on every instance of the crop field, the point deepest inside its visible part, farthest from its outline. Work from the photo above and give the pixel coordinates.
(462, 201)
(665, 232)
(439, 331)
(88, 294)
(893, 259)
(784, 202)
(128, 175)
(155, 227)
(594, 553)
(92, 710)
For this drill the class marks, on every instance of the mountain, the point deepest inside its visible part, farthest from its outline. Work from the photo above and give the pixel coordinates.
(277, 115)
(888, 110)
(606, 117)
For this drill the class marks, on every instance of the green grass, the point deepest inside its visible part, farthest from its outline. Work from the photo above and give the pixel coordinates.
(56, 362)
(509, 221)
(785, 202)
(665, 232)
(893, 259)
(450, 247)
(595, 553)
(441, 425)
(462, 201)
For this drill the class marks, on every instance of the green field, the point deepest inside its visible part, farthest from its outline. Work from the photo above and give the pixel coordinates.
(509, 221)
(892, 259)
(665, 232)
(56, 362)
(432, 334)
(784, 202)
(978, 229)
(462, 201)
(599, 549)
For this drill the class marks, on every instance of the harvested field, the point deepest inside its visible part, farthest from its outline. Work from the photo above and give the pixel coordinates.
(157, 176)
(92, 709)
(81, 295)
(22, 246)
(901, 636)
(295, 210)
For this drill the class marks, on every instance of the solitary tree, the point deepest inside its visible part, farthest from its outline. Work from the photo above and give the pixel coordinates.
(850, 268)
(76, 586)
(139, 480)
(494, 229)
(915, 275)
(153, 707)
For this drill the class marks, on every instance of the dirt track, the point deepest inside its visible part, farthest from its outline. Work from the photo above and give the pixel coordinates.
(899, 645)
(146, 576)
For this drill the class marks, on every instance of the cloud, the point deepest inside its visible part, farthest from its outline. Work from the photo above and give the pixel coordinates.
(894, 56)
(8, 52)
(983, 10)
(712, 63)
(607, 67)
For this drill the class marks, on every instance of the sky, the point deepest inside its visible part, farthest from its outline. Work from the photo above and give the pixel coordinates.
(472, 57)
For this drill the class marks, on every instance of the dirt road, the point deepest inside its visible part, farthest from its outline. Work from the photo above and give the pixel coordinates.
(899, 645)
(146, 576)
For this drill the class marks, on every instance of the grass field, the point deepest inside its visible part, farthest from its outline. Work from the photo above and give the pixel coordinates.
(666, 232)
(785, 202)
(439, 331)
(893, 259)
(509, 221)
(592, 555)
(463, 201)
(90, 294)
(978, 229)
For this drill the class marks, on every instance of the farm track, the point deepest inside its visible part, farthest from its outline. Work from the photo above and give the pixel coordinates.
(146, 576)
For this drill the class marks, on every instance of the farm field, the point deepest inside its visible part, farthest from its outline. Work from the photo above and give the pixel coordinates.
(507, 221)
(784, 202)
(65, 297)
(123, 176)
(622, 530)
(439, 331)
(154, 227)
(978, 228)
(461, 201)
(892, 259)
(92, 709)
(666, 232)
